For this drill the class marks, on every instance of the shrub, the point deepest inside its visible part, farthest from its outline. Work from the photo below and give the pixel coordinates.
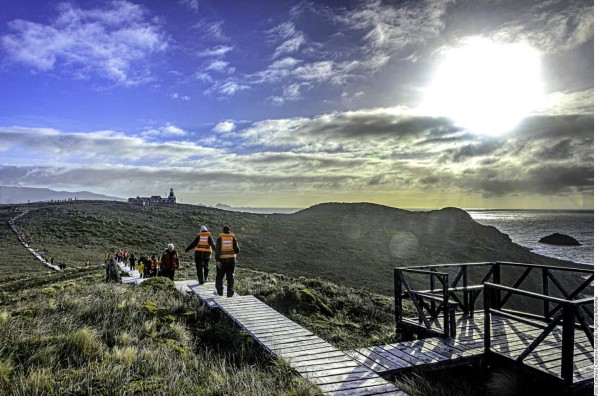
(125, 356)
(158, 283)
(82, 346)
(6, 370)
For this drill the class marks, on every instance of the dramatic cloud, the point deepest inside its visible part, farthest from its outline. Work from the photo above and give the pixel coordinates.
(346, 151)
(390, 28)
(562, 103)
(112, 42)
(553, 25)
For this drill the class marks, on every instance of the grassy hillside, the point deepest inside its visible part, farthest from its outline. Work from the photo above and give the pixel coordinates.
(69, 333)
(351, 244)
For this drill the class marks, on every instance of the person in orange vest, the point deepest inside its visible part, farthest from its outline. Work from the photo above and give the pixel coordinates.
(202, 246)
(153, 266)
(225, 252)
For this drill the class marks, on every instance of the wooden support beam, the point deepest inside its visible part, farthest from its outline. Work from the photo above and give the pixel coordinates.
(515, 286)
(568, 343)
(539, 339)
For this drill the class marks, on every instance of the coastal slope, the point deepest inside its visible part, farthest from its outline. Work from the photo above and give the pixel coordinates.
(355, 244)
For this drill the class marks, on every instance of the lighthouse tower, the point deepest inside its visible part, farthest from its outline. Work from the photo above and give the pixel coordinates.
(171, 199)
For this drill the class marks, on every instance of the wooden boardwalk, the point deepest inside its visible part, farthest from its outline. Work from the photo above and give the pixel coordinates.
(14, 228)
(333, 371)
(508, 338)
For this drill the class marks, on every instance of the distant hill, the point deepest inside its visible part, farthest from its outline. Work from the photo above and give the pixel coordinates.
(357, 244)
(14, 195)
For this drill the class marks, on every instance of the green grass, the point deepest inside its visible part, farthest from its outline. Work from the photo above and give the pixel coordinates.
(90, 337)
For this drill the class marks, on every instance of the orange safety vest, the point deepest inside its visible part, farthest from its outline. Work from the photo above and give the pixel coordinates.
(227, 246)
(203, 245)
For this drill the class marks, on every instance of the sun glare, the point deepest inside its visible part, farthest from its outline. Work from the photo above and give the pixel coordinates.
(486, 87)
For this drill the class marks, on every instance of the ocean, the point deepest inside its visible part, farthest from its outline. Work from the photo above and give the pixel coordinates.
(524, 227)
(527, 227)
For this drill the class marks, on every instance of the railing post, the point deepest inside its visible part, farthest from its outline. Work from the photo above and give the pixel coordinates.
(486, 320)
(466, 295)
(497, 280)
(446, 306)
(545, 291)
(432, 287)
(398, 297)
(568, 342)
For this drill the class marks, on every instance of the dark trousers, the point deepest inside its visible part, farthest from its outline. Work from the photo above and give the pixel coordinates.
(167, 273)
(227, 269)
(202, 268)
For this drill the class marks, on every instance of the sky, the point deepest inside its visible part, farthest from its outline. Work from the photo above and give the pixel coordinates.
(412, 104)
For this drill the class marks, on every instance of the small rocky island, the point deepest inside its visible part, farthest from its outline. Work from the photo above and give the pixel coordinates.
(560, 239)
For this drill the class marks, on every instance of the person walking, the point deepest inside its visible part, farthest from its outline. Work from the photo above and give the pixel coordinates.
(203, 246)
(225, 252)
(140, 264)
(169, 262)
(113, 273)
(153, 267)
(132, 261)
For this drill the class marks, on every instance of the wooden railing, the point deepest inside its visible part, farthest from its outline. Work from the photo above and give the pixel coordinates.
(457, 287)
(566, 313)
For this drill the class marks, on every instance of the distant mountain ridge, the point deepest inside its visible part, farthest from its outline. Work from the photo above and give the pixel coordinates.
(15, 195)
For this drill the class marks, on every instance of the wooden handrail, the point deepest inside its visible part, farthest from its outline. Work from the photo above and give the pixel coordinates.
(526, 293)
(414, 270)
(479, 264)
(551, 267)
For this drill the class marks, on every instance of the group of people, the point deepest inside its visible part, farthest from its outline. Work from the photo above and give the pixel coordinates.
(147, 265)
(225, 248)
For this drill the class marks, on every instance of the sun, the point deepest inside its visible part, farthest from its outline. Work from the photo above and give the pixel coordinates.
(486, 87)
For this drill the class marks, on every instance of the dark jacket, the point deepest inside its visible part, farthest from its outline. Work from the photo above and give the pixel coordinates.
(169, 260)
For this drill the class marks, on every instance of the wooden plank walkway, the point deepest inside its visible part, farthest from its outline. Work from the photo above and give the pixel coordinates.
(14, 228)
(332, 370)
(509, 338)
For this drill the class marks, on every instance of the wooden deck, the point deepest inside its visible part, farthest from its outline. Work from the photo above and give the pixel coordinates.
(332, 370)
(508, 339)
